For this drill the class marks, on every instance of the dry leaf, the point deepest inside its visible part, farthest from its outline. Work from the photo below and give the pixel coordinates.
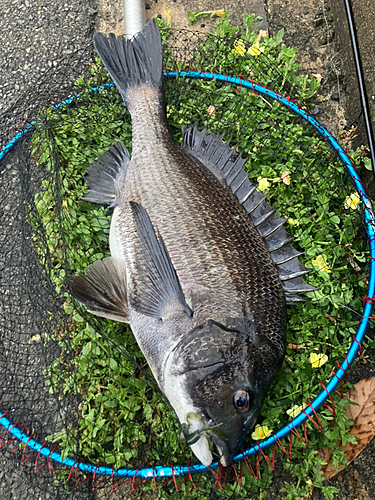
(330, 318)
(35, 338)
(363, 427)
(285, 177)
(296, 346)
(352, 262)
(361, 395)
(211, 110)
(318, 76)
(347, 136)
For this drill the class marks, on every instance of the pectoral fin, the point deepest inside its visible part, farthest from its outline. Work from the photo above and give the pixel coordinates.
(103, 289)
(154, 286)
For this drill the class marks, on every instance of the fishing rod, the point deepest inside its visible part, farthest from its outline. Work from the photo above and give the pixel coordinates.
(361, 83)
(134, 17)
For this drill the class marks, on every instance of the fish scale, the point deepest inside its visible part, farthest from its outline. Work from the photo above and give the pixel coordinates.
(183, 204)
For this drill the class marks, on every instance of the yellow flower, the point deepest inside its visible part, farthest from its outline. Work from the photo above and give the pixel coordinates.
(64, 203)
(321, 263)
(255, 49)
(239, 47)
(294, 411)
(219, 12)
(352, 201)
(168, 15)
(318, 360)
(293, 222)
(261, 432)
(263, 184)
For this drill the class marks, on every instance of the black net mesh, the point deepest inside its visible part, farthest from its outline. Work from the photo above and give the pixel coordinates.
(78, 384)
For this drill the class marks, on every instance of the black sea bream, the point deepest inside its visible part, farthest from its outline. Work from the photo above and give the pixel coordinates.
(200, 265)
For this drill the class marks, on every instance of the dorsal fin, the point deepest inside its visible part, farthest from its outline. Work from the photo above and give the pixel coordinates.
(226, 164)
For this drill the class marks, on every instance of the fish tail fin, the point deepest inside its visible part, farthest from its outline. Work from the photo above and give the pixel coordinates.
(133, 62)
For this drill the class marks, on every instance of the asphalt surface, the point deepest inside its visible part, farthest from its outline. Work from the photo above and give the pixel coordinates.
(36, 35)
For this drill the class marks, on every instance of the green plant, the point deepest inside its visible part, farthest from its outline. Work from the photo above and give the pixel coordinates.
(195, 15)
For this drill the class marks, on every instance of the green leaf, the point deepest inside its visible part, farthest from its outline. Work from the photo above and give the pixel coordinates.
(367, 163)
(87, 348)
(110, 404)
(113, 364)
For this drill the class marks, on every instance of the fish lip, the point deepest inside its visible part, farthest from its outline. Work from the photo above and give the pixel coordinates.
(226, 457)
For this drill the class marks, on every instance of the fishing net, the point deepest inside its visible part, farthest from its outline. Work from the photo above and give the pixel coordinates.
(80, 410)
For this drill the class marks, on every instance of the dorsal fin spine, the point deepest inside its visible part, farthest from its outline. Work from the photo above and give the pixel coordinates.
(257, 204)
(238, 187)
(280, 245)
(294, 275)
(237, 171)
(278, 263)
(273, 229)
(253, 188)
(265, 217)
(229, 171)
(227, 164)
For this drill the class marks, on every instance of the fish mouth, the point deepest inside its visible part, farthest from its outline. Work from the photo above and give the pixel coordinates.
(200, 436)
(226, 457)
(219, 439)
(195, 434)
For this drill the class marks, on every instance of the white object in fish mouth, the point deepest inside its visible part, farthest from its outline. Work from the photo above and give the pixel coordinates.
(186, 412)
(201, 437)
(201, 450)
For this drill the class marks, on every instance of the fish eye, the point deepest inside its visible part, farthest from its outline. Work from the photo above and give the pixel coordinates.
(242, 400)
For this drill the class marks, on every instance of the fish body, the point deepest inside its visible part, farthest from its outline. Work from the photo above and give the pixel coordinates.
(204, 228)
(189, 269)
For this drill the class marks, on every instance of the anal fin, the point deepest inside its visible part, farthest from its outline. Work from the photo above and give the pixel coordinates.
(103, 289)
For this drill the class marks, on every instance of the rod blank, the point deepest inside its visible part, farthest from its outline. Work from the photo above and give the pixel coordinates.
(134, 17)
(361, 83)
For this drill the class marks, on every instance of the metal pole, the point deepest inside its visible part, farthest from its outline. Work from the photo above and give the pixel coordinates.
(361, 83)
(134, 17)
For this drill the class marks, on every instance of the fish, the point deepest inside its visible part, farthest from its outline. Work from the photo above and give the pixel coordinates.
(201, 267)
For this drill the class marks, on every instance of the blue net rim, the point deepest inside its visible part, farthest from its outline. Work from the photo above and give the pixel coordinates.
(309, 411)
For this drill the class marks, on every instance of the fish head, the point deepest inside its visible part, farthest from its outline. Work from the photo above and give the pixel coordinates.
(211, 382)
